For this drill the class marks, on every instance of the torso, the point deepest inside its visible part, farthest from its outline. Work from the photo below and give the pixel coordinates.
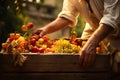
(92, 17)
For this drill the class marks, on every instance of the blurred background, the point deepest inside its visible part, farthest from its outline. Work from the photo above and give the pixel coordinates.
(15, 13)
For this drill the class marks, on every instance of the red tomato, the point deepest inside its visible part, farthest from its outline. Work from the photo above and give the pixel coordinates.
(45, 38)
(30, 25)
(24, 28)
(73, 38)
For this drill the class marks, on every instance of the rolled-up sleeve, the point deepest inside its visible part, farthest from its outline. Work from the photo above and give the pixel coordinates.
(111, 15)
(69, 12)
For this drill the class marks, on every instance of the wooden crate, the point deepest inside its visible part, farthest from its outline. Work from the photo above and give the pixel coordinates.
(54, 67)
(116, 72)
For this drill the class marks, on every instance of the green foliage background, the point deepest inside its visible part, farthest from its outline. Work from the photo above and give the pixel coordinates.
(11, 17)
(79, 27)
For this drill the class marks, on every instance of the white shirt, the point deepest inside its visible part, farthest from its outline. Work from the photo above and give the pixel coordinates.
(104, 11)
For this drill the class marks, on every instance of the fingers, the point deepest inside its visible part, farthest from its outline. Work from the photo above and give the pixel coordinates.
(93, 57)
(89, 60)
(37, 31)
(81, 58)
(41, 32)
(86, 60)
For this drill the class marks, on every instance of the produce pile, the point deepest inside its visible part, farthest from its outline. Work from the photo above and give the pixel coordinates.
(28, 43)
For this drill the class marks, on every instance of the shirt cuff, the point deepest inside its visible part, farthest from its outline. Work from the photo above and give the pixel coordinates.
(111, 23)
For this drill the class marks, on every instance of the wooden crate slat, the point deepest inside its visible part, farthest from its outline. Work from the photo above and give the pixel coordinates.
(56, 76)
(53, 63)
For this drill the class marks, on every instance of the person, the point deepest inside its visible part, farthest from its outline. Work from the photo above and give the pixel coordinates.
(102, 25)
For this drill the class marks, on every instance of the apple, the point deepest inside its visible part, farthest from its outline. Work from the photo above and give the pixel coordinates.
(35, 37)
(44, 46)
(50, 43)
(34, 49)
(32, 41)
(41, 40)
(30, 25)
(49, 50)
(79, 42)
(45, 38)
(38, 44)
(41, 50)
(25, 44)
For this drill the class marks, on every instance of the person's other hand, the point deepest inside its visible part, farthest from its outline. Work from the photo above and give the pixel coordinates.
(87, 55)
(40, 31)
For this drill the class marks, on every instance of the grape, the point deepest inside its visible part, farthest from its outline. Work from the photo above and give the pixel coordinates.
(64, 46)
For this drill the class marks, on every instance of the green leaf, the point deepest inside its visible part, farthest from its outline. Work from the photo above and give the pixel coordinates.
(42, 1)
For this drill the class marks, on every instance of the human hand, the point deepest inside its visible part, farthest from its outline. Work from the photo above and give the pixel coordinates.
(40, 31)
(87, 55)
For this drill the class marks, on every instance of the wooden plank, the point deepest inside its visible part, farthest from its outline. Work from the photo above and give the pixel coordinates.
(116, 73)
(56, 76)
(116, 76)
(53, 63)
(118, 66)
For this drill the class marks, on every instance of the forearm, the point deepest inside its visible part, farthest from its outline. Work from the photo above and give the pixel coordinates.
(56, 25)
(88, 52)
(100, 33)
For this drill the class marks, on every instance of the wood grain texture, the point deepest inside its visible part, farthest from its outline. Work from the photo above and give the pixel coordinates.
(54, 67)
(53, 63)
